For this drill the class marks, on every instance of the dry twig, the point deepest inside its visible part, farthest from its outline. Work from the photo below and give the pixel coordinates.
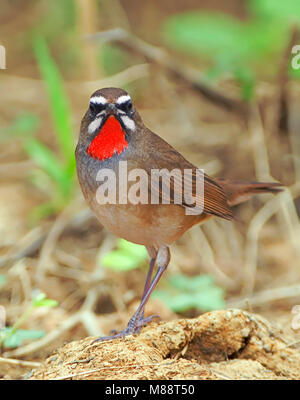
(22, 363)
(85, 315)
(265, 296)
(159, 56)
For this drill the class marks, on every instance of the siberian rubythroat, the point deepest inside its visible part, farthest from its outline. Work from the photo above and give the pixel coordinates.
(159, 210)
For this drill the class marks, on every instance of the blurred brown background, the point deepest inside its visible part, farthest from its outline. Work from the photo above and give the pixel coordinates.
(235, 116)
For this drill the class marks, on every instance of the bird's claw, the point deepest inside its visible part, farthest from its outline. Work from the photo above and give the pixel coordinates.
(134, 326)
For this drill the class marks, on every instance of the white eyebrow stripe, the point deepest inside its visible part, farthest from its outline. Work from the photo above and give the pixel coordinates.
(98, 100)
(123, 99)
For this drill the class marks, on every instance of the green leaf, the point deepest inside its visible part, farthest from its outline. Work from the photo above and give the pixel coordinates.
(280, 10)
(62, 173)
(294, 73)
(26, 123)
(247, 81)
(190, 284)
(39, 297)
(127, 256)
(42, 211)
(15, 339)
(205, 33)
(230, 45)
(46, 303)
(222, 38)
(177, 303)
(59, 105)
(119, 260)
(184, 293)
(135, 250)
(40, 300)
(46, 159)
(23, 124)
(2, 280)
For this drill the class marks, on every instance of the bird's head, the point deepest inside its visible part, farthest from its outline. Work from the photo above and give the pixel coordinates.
(109, 122)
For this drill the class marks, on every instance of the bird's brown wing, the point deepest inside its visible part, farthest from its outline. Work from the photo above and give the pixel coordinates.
(159, 155)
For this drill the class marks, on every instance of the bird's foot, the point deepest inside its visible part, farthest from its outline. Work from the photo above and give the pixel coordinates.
(134, 326)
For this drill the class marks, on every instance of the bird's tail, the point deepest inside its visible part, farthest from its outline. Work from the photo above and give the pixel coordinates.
(239, 191)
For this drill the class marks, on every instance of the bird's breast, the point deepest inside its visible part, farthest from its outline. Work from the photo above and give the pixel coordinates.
(147, 224)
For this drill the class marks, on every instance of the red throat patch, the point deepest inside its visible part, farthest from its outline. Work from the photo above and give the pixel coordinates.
(110, 140)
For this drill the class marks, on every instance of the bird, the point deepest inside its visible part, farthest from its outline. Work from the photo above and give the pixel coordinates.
(112, 134)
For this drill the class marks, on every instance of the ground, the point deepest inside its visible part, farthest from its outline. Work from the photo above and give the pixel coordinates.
(225, 344)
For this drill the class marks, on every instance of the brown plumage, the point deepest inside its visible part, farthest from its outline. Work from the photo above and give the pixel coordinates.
(112, 132)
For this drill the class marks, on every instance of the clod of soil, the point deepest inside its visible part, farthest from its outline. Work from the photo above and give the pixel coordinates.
(225, 344)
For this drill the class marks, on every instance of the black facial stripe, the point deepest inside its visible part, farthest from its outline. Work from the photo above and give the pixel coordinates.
(126, 106)
(96, 108)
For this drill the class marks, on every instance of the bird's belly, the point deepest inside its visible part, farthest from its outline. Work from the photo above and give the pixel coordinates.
(149, 225)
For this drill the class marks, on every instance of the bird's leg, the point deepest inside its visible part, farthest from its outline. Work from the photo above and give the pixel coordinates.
(153, 255)
(136, 322)
(146, 287)
(148, 282)
(163, 259)
(149, 276)
(152, 251)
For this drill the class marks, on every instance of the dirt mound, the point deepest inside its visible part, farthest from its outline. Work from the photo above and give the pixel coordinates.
(225, 344)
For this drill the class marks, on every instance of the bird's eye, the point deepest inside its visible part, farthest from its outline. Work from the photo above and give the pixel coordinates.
(96, 108)
(127, 107)
(93, 110)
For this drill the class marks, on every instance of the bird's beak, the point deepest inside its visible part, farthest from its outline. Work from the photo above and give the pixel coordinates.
(111, 109)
